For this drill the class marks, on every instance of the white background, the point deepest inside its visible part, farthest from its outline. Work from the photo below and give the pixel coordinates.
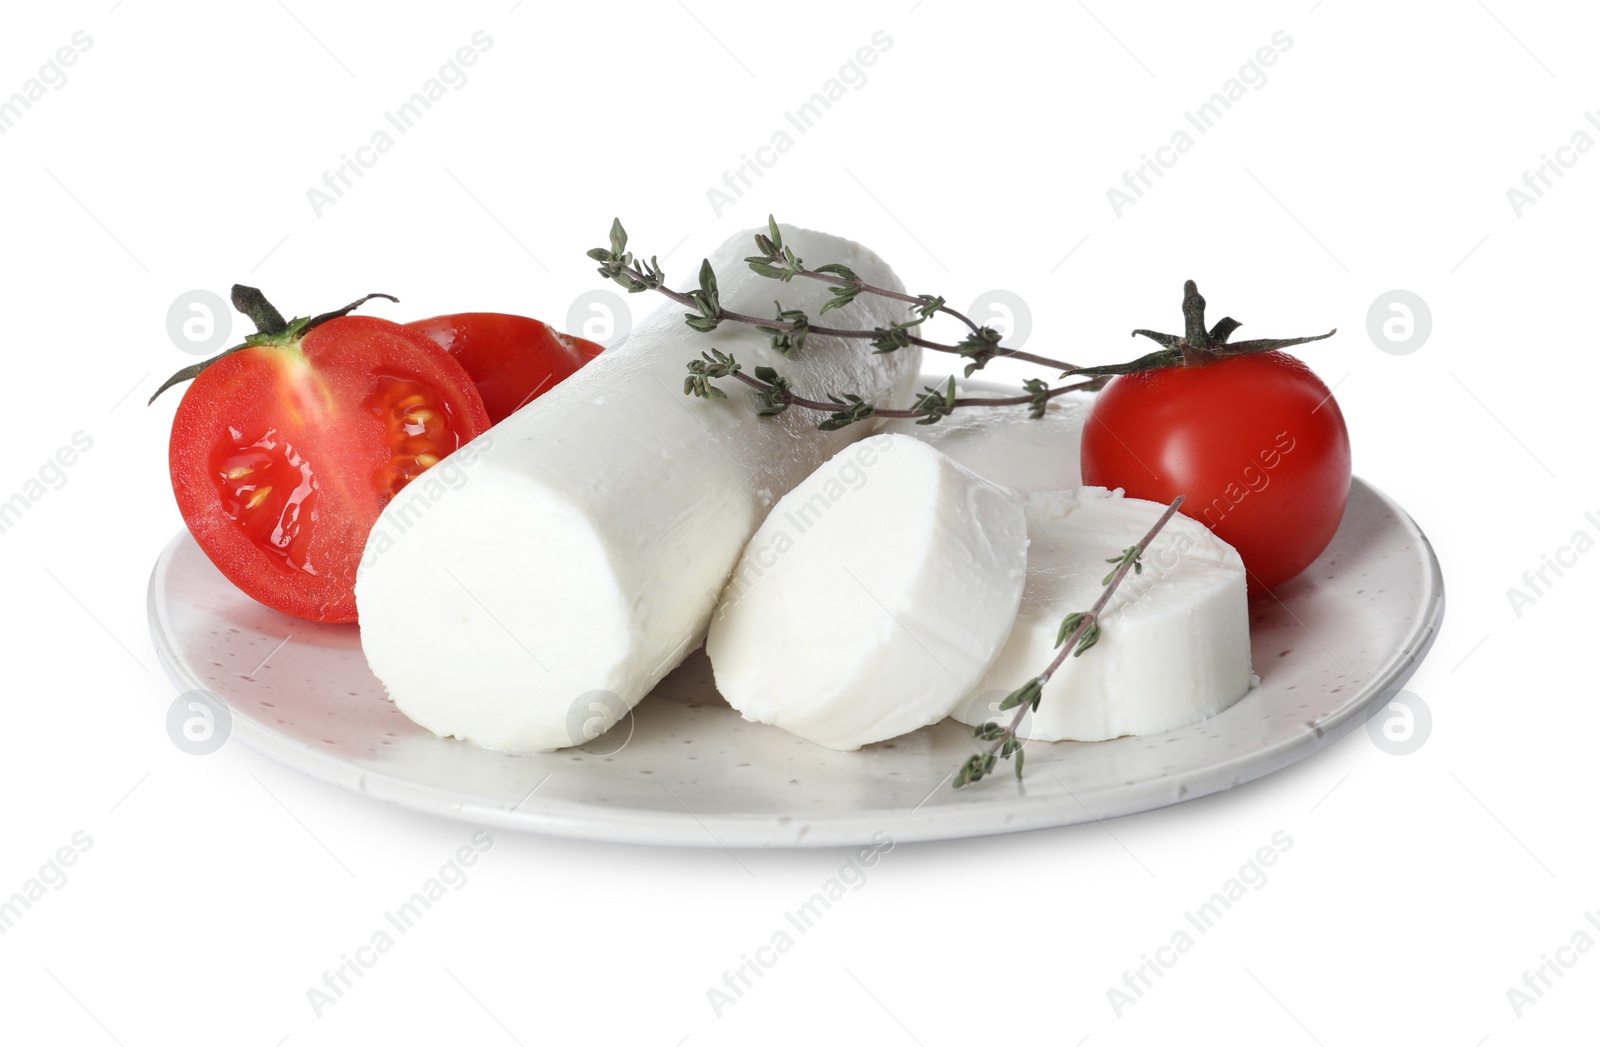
(977, 155)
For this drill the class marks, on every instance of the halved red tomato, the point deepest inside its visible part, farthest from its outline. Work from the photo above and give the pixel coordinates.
(284, 452)
(512, 359)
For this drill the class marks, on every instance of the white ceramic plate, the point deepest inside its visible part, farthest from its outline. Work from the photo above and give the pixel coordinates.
(1330, 647)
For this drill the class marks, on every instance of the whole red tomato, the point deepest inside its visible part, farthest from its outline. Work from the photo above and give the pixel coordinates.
(283, 452)
(1254, 443)
(512, 359)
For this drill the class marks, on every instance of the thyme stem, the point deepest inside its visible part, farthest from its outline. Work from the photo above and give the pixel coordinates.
(796, 400)
(839, 332)
(884, 292)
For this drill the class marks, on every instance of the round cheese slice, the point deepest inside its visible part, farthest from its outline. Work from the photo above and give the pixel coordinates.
(872, 598)
(1175, 639)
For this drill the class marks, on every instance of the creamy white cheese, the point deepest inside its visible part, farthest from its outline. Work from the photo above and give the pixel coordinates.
(872, 598)
(1175, 642)
(1005, 446)
(579, 556)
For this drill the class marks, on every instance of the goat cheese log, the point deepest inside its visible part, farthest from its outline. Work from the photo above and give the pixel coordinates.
(873, 598)
(1007, 447)
(1175, 646)
(579, 558)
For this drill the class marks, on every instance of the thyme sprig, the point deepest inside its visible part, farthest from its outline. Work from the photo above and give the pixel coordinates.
(789, 330)
(779, 262)
(1078, 633)
(714, 364)
(774, 395)
(618, 264)
(791, 337)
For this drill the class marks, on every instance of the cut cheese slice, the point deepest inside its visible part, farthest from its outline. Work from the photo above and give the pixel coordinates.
(571, 556)
(872, 598)
(1007, 447)
(1175, 641)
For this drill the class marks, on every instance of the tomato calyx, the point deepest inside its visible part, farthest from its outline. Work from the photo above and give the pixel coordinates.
(271, 329)
(1197, 346)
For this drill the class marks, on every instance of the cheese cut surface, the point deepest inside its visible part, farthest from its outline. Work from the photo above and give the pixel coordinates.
(872, 598)
(1005, 446)
(571, 557)
(1175, 641)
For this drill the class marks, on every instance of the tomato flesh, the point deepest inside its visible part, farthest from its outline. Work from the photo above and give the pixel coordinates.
(269, 490)
(512, 359)
(282, 456)
(421, 430)
(1256, 444)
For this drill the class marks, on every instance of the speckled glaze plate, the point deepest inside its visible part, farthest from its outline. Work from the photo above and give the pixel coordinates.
(1330, 647)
